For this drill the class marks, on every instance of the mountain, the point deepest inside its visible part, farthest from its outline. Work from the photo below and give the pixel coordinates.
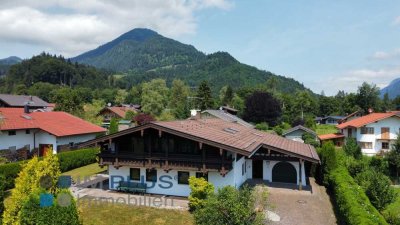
(10, 60)
(393, 89)
(7, 62)
(142, 55)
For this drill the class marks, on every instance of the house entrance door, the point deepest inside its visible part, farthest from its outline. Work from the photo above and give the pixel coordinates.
(257, 169)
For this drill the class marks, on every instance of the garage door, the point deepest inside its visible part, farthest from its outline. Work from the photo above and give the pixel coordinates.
(284, 172)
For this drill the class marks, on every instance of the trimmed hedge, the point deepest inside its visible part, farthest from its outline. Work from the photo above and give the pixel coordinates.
(352, 204)
(68, 161)
(392, 212)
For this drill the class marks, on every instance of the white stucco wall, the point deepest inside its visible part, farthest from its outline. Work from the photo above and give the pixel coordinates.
(392, 123)
(19, 140)
(46, 138)
(241, 176)
(269, 165)
(165, 180)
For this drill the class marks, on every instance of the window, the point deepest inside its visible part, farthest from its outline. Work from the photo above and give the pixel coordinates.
(71, 144)
(203, 175)
(367, 130)
(243, 169)
(151, 175)
(366, 145)
(385, 145)
(27, 131)
(12, 133)
(134, 174)
(183, 177)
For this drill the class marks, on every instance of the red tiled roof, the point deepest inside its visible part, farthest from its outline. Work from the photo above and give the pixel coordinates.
(323, 137)
(56, 123)
(364, 120)
(226, 134)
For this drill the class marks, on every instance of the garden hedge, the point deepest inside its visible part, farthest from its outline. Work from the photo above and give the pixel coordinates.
(352, 204)
(68, 161)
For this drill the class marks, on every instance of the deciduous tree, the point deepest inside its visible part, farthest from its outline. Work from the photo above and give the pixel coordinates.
(262, 107)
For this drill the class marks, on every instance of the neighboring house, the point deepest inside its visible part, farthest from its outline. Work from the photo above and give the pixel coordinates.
(223, 115)
(118, 112)
(229, 110)
(337, 139)
(19, 101)
(45, 131)
(296, 133)
(351, 116)
(224, 153)
(374, 132)
(332, 120)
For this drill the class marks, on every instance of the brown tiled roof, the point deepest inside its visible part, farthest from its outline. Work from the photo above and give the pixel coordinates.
(324, 137)
(370, 118)
(228, 135)
(120, 110)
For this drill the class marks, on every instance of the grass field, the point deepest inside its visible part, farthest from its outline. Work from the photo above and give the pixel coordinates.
(326, 129)
(121, 214)
(85, 171)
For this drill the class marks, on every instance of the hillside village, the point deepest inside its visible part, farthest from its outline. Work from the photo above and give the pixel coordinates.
(147, 130)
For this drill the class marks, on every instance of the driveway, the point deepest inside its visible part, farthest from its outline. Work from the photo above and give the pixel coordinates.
(302, 207)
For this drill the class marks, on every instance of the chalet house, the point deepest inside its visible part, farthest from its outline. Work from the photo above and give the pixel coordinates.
(225, 115)
(374, 132)
(296, 133)
(337, 139)
(19, 101)
(45, 131)
(118, 112)
(332, 120)
(163, 155)
(352, 116)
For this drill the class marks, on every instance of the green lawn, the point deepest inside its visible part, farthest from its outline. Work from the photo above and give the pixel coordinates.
(119, 214)
(86, 171)
(326, 129)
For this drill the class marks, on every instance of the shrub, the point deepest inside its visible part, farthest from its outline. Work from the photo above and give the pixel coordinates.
(351, 148)
(2, 195)
(78, 158)
(353, 205)
(262, 126)
(113, 126)
(392, 212)
(377, 187)
(32, 213)
(200, 190)
(394, 158)
(356, 166)
(229, 206)
(379, 164)
(329, 160)
(310, 139)
(68, 161)
(27, 182)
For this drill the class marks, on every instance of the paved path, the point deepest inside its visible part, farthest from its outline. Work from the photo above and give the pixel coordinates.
(302, 207)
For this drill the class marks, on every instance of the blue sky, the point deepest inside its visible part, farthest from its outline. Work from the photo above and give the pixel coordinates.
(327, 45)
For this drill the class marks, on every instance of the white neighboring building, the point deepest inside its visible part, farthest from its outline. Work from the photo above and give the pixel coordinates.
(45, 131)
(225, 153)
(375, 132)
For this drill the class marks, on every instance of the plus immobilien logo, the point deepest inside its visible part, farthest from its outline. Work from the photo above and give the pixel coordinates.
(63, 199)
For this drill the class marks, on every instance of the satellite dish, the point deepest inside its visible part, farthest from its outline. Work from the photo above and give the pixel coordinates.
(109, 104)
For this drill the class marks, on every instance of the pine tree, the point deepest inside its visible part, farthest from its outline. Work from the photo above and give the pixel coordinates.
(204, 97)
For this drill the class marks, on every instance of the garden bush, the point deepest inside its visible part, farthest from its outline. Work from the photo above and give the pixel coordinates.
(64, 214)
(68, 161)
(351, 148)
(392, 212)
(329, 160)
(200, 190)
(2, 196)
(353, 205)
(377, 187)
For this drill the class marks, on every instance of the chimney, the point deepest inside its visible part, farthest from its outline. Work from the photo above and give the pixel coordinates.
(195, 114)
(26, 108)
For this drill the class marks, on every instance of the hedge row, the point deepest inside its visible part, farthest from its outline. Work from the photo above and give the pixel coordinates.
(68, 161)
(352, 204)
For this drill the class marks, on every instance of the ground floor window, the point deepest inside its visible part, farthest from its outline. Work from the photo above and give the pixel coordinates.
(151, 175)
(385, 145)
(366, 145)
(134, 174)
(203, 175)
(183, 177)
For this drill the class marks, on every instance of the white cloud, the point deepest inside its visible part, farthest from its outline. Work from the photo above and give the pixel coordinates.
(351, 80)
(71, 27)
(381, 55)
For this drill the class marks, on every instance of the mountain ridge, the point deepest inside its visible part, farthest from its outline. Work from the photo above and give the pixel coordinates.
(393, 89)
(142, 54)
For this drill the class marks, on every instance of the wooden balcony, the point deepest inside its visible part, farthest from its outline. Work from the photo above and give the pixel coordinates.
(167, 162)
